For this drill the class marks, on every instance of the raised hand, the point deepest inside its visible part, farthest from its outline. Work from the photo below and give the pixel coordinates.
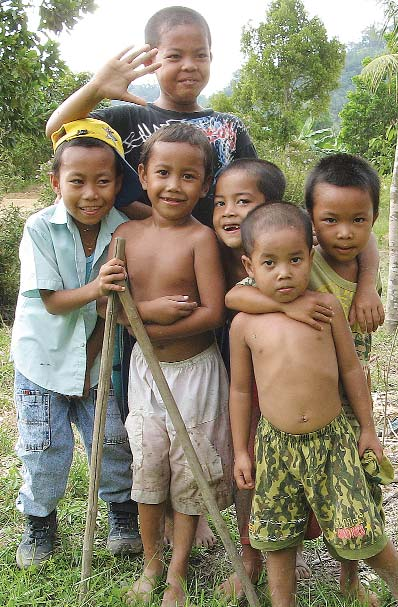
(112, 79)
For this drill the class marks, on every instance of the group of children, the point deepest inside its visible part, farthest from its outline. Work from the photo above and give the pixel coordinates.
(290, 347)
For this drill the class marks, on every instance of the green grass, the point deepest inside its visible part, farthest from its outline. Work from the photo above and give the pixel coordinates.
(57, 584)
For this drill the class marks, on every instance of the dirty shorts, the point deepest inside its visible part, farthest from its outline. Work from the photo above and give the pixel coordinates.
(160, 469)
(320, 470)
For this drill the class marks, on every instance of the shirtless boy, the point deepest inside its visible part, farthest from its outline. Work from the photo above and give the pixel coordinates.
(175, 273)
(310, 455)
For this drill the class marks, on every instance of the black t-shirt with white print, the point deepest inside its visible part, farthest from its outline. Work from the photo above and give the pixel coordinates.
(226, 133)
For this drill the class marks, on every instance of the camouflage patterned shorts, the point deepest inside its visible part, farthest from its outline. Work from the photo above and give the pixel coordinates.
(320, 470)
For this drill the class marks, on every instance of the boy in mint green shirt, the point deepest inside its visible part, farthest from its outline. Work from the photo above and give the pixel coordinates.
(57, 337)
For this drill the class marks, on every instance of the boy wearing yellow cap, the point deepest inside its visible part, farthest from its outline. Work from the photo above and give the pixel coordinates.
(57, 336)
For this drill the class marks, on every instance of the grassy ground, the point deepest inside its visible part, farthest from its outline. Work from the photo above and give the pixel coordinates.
(57, 584)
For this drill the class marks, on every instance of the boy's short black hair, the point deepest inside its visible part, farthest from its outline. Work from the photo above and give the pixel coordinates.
(170, 17)
(344, 170)
(180, 132)
(274, 216)
(84, 142)
(270, 180)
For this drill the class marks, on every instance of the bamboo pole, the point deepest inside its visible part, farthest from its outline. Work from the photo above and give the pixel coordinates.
(190, 453)
(99, 429)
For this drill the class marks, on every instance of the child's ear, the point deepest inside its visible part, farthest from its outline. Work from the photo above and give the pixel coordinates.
(142, 176)
(54, 181)
(247, 262)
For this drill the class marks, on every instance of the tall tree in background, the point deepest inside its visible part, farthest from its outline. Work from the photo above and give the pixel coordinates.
(290, 71)
(380, 70)
(29, 64)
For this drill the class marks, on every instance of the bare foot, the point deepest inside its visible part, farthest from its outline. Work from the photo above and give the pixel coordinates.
(143, 588)
(303, 572)
(174, 596)
(362, 594)
(351, 586)
(204, 537)
(232, 588)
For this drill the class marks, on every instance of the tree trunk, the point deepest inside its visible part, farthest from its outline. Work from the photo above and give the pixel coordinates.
(391, 321)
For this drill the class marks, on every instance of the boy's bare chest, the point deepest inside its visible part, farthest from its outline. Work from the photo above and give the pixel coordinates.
(161, 266)
(276, 337)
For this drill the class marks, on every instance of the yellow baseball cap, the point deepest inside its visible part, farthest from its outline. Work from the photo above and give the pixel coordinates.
(97, 129)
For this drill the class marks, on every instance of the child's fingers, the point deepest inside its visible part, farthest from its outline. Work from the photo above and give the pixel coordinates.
(143, 57)
(129, 53)
(324, 310)
(113, 287)
(124, 52)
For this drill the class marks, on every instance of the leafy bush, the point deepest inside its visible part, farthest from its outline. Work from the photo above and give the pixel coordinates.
(19, 163)
(11, 226)
(295, 160)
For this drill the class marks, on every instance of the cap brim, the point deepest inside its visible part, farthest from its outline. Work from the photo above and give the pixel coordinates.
(131, 187)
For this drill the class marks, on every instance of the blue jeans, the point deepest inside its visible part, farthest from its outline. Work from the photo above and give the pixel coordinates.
(45, 446)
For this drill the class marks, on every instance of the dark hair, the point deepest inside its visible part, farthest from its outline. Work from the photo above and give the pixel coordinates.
(170, 17)
(270, 180)
(271, 216)
(84, 142)
(180, 132)
(344, 170)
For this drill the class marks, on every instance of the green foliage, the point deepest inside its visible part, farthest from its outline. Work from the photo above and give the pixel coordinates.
(33, 81)
(26, 66)
(295, 160)
(370, 45)
(55, 15)
(290, 71)
(368, 123)
(11, 227)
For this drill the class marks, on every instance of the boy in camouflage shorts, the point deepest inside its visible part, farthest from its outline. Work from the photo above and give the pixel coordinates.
(306, 451)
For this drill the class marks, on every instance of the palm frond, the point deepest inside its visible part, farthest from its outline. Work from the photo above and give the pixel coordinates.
(381, 69)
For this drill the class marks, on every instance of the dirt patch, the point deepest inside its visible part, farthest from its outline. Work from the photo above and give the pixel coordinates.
(24, 200)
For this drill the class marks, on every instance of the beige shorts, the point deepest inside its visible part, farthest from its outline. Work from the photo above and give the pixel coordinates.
(160, 469)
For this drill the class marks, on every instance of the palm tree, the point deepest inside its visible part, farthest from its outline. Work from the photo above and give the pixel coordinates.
(381, 69)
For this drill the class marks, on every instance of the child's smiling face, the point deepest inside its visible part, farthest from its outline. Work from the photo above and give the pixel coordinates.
(87, 182)
(174, 178)
(343, 218)
(235, 195)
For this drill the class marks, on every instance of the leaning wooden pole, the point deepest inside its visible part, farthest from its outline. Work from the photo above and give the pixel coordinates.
(99, 430)
(190, 453)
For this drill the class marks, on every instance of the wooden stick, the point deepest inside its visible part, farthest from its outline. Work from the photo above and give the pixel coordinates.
(99, 429)
(190, 453)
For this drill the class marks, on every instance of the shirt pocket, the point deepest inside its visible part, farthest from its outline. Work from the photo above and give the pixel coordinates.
(115, 432)
(33, 418)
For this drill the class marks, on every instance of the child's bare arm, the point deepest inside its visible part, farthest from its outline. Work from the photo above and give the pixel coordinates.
(354, 381)
(209, 313)
(110, 82)
(367, 308)
(240, 402)
(163, 310)
(64, 301)
(310, 308)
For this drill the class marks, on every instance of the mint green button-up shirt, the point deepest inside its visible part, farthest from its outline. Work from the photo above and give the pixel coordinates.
(49, 349)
